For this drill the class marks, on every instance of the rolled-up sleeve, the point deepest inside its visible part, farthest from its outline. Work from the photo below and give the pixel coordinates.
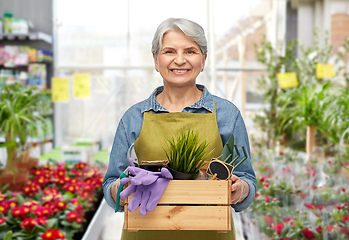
(117, 162)
(245, 170)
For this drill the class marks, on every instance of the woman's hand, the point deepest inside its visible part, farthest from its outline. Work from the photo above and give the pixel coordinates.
(239, 190)
(113, 191)
(202, 175)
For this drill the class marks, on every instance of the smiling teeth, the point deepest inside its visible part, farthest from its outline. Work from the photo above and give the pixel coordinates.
(179, 71)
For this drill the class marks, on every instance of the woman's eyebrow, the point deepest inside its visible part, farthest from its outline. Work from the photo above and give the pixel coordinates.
(187, 48)
(167, 48)
(191, 48)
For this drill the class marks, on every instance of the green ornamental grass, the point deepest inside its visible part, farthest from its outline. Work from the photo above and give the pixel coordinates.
(185, 152)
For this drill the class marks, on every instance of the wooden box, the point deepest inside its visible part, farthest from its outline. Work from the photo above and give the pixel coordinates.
(188, 205)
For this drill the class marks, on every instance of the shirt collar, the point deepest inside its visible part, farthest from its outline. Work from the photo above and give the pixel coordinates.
(206, 101)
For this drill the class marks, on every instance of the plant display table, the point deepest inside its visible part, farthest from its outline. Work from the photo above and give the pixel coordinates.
(187, 205)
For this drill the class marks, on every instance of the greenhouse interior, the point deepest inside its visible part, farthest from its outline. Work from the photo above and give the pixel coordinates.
(74, 76)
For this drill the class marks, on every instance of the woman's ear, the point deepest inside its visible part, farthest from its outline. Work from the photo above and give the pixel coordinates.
(156, 62)
(204, 61)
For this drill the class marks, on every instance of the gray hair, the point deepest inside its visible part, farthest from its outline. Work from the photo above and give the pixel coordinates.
(191, 29)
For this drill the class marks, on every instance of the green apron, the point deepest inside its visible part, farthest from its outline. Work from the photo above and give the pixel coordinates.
(150, 146)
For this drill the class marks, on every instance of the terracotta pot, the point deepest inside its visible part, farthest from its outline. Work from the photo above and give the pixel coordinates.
(24, 156)
(28, 165)
(15, 180)
(6, 177)
(34, 162)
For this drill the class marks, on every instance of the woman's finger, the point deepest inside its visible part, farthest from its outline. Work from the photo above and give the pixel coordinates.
(235, 197)
(234, 178)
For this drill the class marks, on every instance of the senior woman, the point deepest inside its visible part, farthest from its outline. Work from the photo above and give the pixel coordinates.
(179, 50)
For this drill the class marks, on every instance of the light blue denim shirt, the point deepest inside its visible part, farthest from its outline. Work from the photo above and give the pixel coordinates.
(229, 121)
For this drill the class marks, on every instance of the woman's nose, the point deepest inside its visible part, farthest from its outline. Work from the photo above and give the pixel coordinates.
(180, 59)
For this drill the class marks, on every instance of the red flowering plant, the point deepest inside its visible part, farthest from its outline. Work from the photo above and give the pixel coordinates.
(343, 195)
(298, 200)
(52, 204)
(324, 195)
(278, 188)
(264, 212)
(298, 226)
(339, 222)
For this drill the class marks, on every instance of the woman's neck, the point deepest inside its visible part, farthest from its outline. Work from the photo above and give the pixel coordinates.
(174, 99)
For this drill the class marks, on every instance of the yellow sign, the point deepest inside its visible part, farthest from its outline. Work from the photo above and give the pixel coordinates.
(287, 80)
(325, 70)
(60, 89)
(82, 85)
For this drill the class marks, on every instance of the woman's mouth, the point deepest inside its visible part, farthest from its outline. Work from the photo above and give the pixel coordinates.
(179, 70)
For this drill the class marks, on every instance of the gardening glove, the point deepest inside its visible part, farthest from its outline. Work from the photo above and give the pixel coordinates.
(239, 190)
(142, 176)
(147, 191)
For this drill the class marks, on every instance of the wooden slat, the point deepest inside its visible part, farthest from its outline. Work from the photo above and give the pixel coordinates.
(229, 208)
(180, 218)
(229, 191)
(195, 192)
(229, 218)
(126, 217)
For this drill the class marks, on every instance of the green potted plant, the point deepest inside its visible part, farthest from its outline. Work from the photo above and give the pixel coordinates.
(17, 112)
(303, 107)
(318, 103)
(186, 154)
(336, 119)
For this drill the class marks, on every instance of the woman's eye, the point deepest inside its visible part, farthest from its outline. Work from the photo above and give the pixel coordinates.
(169, 51)
(190, 52)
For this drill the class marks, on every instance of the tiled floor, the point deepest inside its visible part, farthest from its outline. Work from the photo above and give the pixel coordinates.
(107, 225)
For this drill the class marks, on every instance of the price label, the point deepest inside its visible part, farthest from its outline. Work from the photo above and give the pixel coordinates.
(287, 80)
(325, 70)
(82, 85)
(60, 89)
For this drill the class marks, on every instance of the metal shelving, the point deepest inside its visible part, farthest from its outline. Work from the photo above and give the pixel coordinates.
(34, 36)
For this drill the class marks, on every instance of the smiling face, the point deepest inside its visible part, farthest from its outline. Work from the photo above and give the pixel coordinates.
(180, 60)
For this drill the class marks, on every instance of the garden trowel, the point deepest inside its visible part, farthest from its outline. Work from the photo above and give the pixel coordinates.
(223, 169)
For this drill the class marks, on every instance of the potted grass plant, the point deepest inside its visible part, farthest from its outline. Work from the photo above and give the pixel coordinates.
(18, 106)
(186, 154)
